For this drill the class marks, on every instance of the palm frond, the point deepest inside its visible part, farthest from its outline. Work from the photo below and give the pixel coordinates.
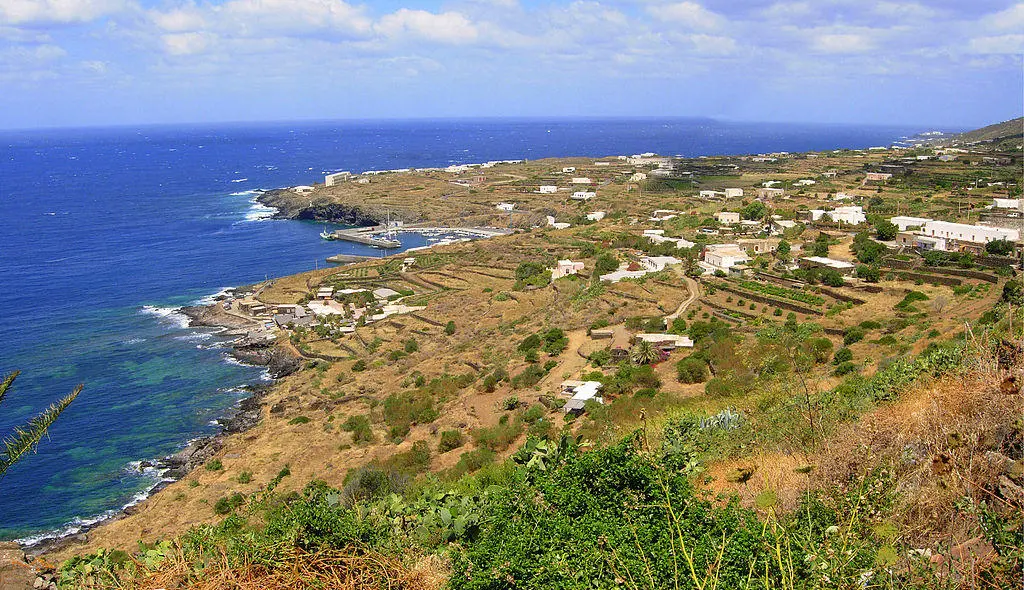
(6, 383)
(25, 438)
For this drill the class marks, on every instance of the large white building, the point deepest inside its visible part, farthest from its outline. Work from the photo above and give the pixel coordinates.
(852, 215)
(583, 195)
(733, 193)
(727, 217)
(904, 222)
(337, 178)
(973, 234)
(725, 256)
(546, 189)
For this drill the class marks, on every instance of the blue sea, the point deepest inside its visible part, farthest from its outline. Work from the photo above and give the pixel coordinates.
(107, 231)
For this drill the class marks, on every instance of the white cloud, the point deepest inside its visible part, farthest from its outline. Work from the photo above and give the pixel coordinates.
(713, 44)
(687, 13)
(1002, 44)
(446, 27)
(187, 18)
(903, 10)
(842, 43)
(34, 12)
(32, 54)
(187, 43)
(1010, 19)
(294, 17)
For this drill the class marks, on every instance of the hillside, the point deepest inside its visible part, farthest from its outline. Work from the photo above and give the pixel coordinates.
(811, 426)
(1013, 128)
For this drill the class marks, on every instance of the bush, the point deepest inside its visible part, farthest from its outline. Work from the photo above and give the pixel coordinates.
(449, 328)
(820, 349)
(411, 345)
(555, 341)
(402, 410)
(359, 366)
(528, 270)
(1013, 292)
(474, 460)
(691, 370)
(360, 428)
(600, 357)
(852, 335)
(499, 437)
(999, 247)
(845, 368)
(529, 377)
(531, 342)
(606, 263)
(226, 504)
(678, 326)
(510, 403)
(450, 439)
(299, 420)
(245, 477)
(655, 325)
(842, 355)
(870, 274)
(886, 231)
(415, 460)
(214, 465)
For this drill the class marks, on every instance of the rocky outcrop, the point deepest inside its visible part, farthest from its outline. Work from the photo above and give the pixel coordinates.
(290, 205)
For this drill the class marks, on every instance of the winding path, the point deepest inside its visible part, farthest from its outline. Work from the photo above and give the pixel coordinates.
(694, 288)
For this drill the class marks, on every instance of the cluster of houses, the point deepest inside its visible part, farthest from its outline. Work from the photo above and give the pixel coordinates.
(929, 234)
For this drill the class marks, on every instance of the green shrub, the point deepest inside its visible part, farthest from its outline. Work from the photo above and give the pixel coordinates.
(472, 461)
(852, 335)
(691, 370)
(214, 465)
(359, 366)
(606, 263)
(245, 477)
(411, 346)
(415, 460)
(842, 355)
(531, 342)
(450, 439)
(819, 348)
(299, 420)
(449, 328)
(359, 426)
(600, 357)
(498, 437)
(529, 377)
(226, 504)
(402, 410)
(510, 403)
(678, 326)
(845, 368)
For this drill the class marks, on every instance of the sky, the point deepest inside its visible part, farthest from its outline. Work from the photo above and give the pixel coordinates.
(948, 63)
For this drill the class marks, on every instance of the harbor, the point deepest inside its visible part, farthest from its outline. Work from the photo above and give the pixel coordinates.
(384, 237)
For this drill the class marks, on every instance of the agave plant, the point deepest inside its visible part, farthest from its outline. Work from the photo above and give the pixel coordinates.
(25, 438)
(645, 353)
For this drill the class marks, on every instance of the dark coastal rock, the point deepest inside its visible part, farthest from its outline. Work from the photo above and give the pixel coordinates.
(290, 205)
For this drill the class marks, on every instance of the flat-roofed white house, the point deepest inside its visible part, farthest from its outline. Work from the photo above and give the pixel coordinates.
(733, 193)
(725, 256)
(852, 215)
(595, 216)
(637, 177)
(727, 217)
(804, 182)
(568, 170)
(505, 206)
(770, 193)
(581, 180)
(842, 266)
(564, 268)
(1006, 203)
(666, 342)
(337, 178)
(877, 176)
(966, 235)
(548, 189)
(903, 223)
(583, 195)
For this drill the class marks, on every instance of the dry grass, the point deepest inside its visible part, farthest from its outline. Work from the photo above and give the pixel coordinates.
(338, 569)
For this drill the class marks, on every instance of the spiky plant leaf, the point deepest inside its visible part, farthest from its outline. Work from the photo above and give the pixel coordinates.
(6, 383)
(644, 353)
(25, 438)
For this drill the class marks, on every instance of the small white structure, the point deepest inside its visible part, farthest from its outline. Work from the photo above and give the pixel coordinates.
(852, 215)
(568, 170)
(724, 256)
(363, 180)
(666, 342)
(579, 392)
(710, 194)
(770, 183)
(664, 214)
(903, 223)
(648, 264)
(770, 193)
(302, 189)
(581, 180)
(733, 193)
(337, 178)
(637, 177)
(842, 266)
(385, 293)
(507, 207)
(815, 214)
(727, 217)
(877, 176)
(564, 268)
(325, 292)
(804, 182)
(583, 195)
(557, 224)
(595, 216)
(658, 237)
(840, 196)
(1006, 203)
(548, 189)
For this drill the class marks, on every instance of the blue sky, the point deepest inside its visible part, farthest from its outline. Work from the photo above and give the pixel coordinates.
(98, 62)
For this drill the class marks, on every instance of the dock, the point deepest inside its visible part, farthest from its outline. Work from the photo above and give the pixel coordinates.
(364, 236)
(348, 258)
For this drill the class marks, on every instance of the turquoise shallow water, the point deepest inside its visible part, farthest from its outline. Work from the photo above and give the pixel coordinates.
(107, 231)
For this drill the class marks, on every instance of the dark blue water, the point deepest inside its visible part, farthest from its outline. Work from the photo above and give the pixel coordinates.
(106, 231)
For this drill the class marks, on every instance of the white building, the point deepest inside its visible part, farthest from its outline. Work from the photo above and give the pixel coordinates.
(557, 224)
(733, 193)
(804, 182)
(711, 194)
(337, 178)
(595, 216)
(658, 237)
(842, 266)
(666, 342)
(967, 234)
(637, 177)
(505, 206)
(548, 189)
(770, 193)
(648, 264)
(902, 223)
(302, 189)
(852, 215)
(583, 195)
(564, 268)
(1006, 203)
(568, 170)
(727, 217)
(581, 180)
(725, 256)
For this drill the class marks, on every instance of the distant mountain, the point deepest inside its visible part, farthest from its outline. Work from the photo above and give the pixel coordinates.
(997, 132)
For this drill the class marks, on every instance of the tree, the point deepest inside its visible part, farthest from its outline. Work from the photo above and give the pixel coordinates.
(606, 263)
(644, 353)
(783, 250)
(886, 231)
(999, 247)
(870, 274)
(691, 370)
(25, 438)
(1013, 292)
(755, 211)
(449, 328)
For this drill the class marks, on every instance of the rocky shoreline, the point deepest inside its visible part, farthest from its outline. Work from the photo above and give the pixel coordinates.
(290, 205)
(246, 349)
